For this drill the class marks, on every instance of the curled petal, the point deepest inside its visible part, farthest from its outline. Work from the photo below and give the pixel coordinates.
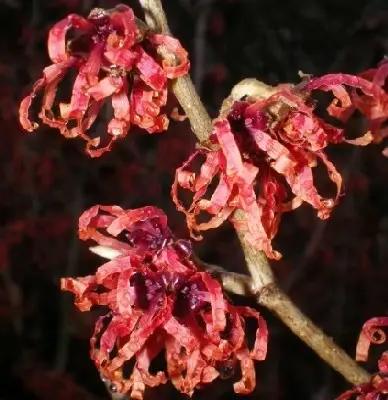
(123, 17)
(259, 351)
(148, 323)
(82, 288)
(80, 98)
(174, 47)
(217, 304)
(118, 127)
(91, 221)
(52, 75)
(145, 108)
(154, 346)
(150, 72)
(106, 88)
(118, 265)
(367, 95)
(117, 328)
(370, 333)
(234, 163)
(182, 334)
(57, 36)
(328, 81)
(248, 379)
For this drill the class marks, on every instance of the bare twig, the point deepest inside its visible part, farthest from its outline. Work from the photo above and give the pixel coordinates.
(231, 281)
(263, 281)
(281, 305)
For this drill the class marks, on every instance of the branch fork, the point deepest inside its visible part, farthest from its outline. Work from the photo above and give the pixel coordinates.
(262, 283)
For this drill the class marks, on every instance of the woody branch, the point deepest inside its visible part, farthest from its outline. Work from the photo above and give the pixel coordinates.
(263, 283)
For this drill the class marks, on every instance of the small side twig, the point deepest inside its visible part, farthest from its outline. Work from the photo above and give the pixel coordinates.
(232, 282)
(273, 298)
(263, 281)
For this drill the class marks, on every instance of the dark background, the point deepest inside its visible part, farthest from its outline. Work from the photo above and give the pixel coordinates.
(336, 271)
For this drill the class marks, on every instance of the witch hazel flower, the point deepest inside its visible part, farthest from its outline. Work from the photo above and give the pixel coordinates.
(260, 159)
(160, 306)
(115, 57)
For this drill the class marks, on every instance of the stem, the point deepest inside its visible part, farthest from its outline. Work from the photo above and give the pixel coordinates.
(273, 298)
(257, 263)
(263, 284)
(232, 282)
(200, 121)
(183, 88)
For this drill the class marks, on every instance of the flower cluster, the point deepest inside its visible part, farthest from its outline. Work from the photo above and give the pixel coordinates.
(261, 160)
(159, 303)
(377, 387)
(116, 57)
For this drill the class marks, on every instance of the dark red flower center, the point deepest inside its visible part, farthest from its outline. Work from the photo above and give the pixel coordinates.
(148, 236)
(151, 288)
(102, 24)
(241, 122)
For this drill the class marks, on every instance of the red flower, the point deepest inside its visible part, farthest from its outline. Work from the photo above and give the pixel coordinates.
(261, 161)
(111, 50)
(159, 302)
(378, 385)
